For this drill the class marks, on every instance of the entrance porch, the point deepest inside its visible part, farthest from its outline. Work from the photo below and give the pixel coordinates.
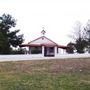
(44, 50)
(49, 51)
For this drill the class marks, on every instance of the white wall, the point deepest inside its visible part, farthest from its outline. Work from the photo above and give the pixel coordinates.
(19, 57)
(40, 57)
(61, 51)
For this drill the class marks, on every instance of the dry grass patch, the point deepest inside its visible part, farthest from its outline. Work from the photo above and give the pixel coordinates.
(65, 74)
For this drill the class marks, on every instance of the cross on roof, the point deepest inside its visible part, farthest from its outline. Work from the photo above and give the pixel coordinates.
(43, 31)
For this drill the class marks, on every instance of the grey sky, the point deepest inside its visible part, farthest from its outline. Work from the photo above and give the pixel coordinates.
(57, 16)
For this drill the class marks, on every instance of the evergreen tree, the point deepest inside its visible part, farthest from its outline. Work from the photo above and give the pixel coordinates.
(81, 45)
(70, 48)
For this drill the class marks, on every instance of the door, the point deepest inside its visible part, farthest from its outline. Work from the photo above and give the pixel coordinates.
(49, 51)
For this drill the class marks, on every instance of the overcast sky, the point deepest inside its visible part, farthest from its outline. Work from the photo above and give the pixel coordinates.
(57, 16)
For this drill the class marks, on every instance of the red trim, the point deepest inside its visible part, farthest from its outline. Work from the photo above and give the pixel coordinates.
(51, 40)
(63, 47)
(49, 45)
(43, 37)
(34, 40)
(46, 45)
(29, 45)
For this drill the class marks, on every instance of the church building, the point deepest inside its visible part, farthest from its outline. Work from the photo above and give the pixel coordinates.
(43, 46)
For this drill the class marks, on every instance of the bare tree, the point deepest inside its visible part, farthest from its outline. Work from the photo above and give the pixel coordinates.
(79, 35)
(87, 34)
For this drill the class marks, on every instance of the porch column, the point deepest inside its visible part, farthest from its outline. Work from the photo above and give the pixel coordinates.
(55, 50)
(29, 50)
(43, 51)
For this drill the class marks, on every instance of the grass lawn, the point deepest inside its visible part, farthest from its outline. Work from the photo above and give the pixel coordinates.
(63, 74)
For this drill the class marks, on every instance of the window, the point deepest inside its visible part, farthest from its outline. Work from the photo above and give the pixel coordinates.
(36, 50)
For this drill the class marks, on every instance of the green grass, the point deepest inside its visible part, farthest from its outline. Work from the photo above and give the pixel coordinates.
(45, 75)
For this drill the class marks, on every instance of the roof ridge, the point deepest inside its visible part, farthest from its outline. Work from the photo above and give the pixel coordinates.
(35, 39)
(42, 37)
(50, 40)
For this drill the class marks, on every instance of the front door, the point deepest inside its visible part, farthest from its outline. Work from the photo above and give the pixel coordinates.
(49, 51)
